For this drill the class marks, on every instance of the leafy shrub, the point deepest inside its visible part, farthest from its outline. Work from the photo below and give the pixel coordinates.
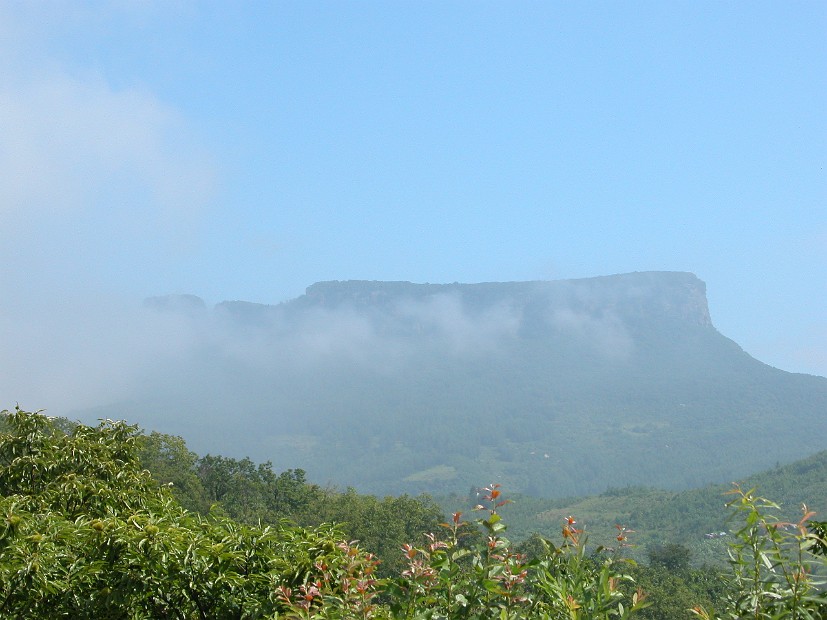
(775, 564)
(86, 533)
(446, 579)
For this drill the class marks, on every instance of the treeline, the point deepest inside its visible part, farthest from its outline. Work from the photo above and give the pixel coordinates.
(254, 494)
(88, 532)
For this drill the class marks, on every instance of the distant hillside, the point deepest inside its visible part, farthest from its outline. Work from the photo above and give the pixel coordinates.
(552, 388)
(662, 517)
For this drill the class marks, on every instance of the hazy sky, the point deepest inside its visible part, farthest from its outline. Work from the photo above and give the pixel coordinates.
(241, 150)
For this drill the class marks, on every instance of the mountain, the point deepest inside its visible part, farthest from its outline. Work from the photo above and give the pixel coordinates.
(553, 388)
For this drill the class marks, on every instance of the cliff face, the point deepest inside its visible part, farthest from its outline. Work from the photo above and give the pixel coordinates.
(636, 297)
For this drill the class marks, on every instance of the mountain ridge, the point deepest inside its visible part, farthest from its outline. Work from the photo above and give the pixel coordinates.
(552, 387)
(334, 293)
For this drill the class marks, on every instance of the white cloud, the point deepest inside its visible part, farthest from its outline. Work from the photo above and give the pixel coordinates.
(605, 333)
(444, 316)
(66, 144)
(79, 152)
(96, 182)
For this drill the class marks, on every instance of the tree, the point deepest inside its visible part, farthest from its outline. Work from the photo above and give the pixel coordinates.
(672, 556)
(292, 495)
(171, 463)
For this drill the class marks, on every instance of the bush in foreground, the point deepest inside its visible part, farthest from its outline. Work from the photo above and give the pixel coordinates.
(86, 533)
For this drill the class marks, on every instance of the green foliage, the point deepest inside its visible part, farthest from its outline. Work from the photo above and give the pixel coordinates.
(491, 579)
(87, 533)
(254, 494)
(775, 564)
(292, 494)
(172, 464)
(662, 517)
(672, 594)
(818, 529)
(673, 556)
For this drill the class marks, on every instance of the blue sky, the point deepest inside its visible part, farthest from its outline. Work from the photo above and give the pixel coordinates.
(240, 150)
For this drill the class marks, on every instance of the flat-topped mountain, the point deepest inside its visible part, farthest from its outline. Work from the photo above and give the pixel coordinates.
(553, 388)
(679, 296)
(634, 296)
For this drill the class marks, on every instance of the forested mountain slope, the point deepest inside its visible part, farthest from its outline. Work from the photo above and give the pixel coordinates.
(552, 388)
(693, 518)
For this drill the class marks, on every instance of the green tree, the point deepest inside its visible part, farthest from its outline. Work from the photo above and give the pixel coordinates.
(673, 557)
(672, 594)
(171, 463)
(293, 495)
